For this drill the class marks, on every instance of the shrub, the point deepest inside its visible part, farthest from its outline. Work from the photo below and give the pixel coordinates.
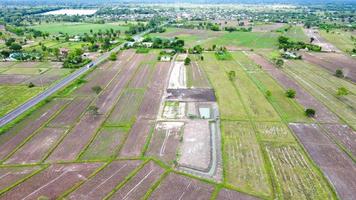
(290, 93)
(310, 112)
(112, 56)
(97, 89)
(279, 62)
(342, 91)
(187, 61)
(232, 75)
(339, 73)
(31, 85)
(268, 93)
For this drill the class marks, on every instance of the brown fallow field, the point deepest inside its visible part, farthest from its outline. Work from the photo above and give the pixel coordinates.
(52, 182)
(16, 135)
(105, 181)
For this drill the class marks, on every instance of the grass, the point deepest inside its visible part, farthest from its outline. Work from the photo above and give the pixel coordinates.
(77, 28)
(142, 50)
(244, 165)
(341, 39)
(25, 71)
(296, 33)
(323, 86)
(287, 108)
(230, 105)
(246, 40)
(196, 77)
(13, 96)
(125, 111)
(104, 145)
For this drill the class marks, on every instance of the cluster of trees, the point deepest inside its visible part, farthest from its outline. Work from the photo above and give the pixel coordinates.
(75, 59)
(287, 44)
(234, 29)
(161, 43)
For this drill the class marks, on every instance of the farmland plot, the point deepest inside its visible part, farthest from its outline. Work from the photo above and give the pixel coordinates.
(126, 109)
(287, 108)
(324, 87)
(332, 62)
(12, 96)
(105, 144)
(70, 114)
(336, 165)
(52, 182)
(226, 194)
(308, 101)
(136, 138)
(137, 186)
(344, 134)
(179, 187)
(274, 131)
(230, 105)
(15, 136)
(49, 77)
(194, 94)
(244, 165)
(255, 102)
(105, 181)
(196, 77)
(165, 140)
(152, 99)
(11, 175)
(25, 71)
(87, 127)
(142, 77)
(35, 149)
(196, 146)
(295, 176)
(6, 79)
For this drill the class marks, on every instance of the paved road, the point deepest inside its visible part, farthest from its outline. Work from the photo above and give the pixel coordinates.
(35, 100)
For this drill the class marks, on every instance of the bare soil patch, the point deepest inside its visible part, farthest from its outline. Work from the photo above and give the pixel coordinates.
(196, 146)
(320, 41)
(11, 139)
(198, 77)
(165, 141)
(35, 149)
(308, 101)
(105, 181)
(71, 113)
(344, 134)
(13, 79)
(336, 165)
(226, 194)
(197, 94)
(180, 187)
(51, 182)
(10, 175)
(137, 187)
(136, 139)
(178, 76)
(332, 62)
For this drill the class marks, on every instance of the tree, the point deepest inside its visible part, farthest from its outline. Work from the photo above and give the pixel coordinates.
(112, 56)
(31, 85)
(15, 47)
(342, 91)
(187, 61)
(310, 112)
(290, 93)
(279, 62)
(97, 89)
(232, 75)
(339, 73)
(93, 110)
(268, 93)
